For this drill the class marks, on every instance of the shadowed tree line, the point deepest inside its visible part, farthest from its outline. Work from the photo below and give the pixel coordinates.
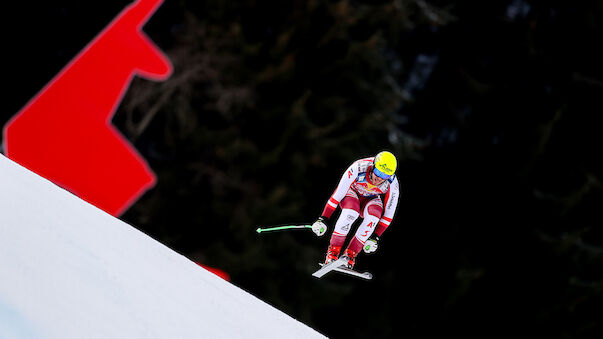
(489, 106)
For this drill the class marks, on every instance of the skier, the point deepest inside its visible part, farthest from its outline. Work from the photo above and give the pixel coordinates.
(365, 188)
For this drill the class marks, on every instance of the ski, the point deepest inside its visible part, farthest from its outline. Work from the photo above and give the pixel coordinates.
(329, 267)
(345, 270)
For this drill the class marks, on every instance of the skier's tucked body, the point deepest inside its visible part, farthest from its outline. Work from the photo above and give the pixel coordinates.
(368, 189)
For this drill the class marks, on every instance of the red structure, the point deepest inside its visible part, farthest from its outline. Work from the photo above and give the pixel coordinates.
(65, 134)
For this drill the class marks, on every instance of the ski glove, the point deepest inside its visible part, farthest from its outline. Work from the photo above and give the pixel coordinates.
(319, 227)
(370, 245)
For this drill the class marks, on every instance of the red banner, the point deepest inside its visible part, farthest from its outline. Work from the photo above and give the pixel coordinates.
(65, 134)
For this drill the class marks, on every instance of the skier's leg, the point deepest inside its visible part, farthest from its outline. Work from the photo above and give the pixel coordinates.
(372, 213)
(342, 227)
(350, 210)
(350, 207)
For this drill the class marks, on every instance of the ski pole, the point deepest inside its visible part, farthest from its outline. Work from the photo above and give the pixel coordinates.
(280, 228)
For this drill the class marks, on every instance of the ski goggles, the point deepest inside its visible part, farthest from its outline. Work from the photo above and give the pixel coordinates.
(381, 174)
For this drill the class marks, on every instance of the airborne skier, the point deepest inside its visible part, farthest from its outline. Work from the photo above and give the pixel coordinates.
(368, 189)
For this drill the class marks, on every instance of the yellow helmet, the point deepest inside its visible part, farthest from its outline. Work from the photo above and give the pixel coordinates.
(385, 165)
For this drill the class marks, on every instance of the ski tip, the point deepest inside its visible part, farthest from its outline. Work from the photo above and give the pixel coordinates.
(259, 230)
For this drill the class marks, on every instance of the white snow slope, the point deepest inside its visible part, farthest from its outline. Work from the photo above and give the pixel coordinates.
(70, 270)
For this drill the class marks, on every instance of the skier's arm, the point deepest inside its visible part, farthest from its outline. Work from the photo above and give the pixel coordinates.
(391, 202)
(347, 179)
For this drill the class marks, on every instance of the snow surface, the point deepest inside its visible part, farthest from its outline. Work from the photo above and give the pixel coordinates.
(70, 270)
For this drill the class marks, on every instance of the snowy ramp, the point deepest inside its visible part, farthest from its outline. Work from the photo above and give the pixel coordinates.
(70, 270)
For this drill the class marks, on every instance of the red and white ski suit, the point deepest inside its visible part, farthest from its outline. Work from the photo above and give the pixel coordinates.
(359, 197)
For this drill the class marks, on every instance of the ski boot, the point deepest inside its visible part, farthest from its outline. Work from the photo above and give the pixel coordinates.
(332, 254)
(351, 257)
